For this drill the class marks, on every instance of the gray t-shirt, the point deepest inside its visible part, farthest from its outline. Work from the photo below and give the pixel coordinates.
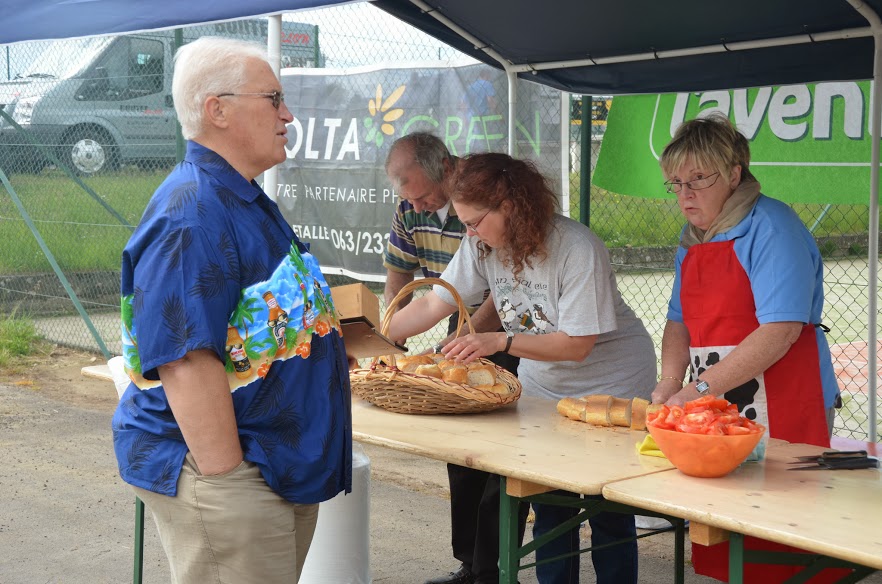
(573, 290)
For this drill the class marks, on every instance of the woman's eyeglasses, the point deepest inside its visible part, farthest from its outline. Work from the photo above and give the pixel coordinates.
(696, 184)
(277, 97)
(474, 226)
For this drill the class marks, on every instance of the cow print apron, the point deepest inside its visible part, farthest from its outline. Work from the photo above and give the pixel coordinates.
(719, 312)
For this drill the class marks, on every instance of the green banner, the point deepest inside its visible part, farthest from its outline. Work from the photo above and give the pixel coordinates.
(808, 143)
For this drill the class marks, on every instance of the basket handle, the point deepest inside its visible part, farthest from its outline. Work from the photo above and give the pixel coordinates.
(413, 285)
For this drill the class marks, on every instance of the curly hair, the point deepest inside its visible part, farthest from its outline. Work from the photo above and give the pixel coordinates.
(489, 180)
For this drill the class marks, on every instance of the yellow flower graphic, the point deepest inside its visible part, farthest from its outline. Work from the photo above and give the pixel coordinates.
(381, 118)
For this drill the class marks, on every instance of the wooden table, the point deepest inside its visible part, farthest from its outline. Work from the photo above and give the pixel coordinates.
(837, 514)
(534, 448)
(834, 514)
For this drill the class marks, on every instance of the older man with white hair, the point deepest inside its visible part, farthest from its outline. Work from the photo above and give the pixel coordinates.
(237, 422)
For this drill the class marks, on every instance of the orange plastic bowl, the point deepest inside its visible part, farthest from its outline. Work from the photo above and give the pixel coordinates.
(703, 455)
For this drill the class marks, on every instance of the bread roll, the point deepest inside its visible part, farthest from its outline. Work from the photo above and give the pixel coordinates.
(597, 409)
(481, 375)
(455, 374)
(500, 388)
(620, 412)
(571, 408)
(445, 364)
(430, 370)
(410, 364)
(638, 413)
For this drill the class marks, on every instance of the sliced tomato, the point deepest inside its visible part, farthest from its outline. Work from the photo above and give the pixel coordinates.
(733, 430)
(703, 403)
(674, 416)
(715, 428)
(720, 404)
(728, 418)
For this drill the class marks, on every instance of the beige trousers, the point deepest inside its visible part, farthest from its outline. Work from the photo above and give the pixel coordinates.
(230, 528)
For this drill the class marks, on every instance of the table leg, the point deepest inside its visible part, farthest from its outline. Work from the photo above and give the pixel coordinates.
(509, 562)
(736, 558)
(679, 551)
(138, 576)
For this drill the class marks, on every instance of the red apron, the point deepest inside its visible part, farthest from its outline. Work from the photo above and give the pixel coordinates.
(719, 312)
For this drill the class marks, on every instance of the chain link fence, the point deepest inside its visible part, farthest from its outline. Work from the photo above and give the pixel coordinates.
(87, 133)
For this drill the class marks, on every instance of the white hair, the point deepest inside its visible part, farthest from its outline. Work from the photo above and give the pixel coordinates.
(209, 66)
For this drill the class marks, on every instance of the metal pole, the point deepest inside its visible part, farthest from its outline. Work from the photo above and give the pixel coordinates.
(585, 164)
(873, 253)
(180, 144)
(512, 112)
(274, 49)
(318, 53)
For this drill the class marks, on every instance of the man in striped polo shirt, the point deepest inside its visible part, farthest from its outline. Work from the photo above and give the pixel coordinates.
(425, 235)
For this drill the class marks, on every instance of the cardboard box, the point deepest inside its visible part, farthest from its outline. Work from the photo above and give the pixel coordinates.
(359, 311)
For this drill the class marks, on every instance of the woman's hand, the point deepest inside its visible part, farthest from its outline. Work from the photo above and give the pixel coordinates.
(665, 389)
(688, 393)
(470, 347)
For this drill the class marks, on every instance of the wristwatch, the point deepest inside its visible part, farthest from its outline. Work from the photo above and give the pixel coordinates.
(509, 337)
(701, 386)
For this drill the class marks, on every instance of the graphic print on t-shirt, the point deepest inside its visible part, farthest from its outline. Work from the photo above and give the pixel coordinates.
(522, 307)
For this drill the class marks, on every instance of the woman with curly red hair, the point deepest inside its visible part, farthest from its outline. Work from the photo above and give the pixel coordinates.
(556, 294)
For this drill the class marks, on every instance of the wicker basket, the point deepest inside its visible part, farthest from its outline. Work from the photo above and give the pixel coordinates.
(384, 385)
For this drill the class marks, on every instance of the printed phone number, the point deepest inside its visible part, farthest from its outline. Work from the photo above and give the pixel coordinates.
(357, 242)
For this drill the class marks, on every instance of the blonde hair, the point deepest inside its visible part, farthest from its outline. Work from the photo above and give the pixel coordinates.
(209, 66)
(712, 142)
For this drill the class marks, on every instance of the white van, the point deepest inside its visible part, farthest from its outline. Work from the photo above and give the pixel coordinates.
(100, 102)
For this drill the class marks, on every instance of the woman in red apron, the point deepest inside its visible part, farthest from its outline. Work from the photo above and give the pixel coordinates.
(745, 310)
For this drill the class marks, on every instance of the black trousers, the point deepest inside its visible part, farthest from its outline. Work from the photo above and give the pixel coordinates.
(474, 506)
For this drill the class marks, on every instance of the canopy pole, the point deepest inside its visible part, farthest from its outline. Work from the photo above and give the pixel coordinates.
(512, 111)
(873, 253)
(510, 72)
(274, 50)
(693, 51)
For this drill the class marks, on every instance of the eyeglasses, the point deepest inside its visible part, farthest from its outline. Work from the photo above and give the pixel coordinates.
(277, 97)
(696, 184)
(474, 226)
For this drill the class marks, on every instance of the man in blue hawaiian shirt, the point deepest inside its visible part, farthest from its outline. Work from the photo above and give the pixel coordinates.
(237, 422)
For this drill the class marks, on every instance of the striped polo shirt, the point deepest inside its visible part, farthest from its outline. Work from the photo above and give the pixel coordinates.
(420, 241)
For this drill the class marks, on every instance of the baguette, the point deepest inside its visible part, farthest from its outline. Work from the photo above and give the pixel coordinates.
(639, 409)
(620, 412)
(571, 408)
(596, 411)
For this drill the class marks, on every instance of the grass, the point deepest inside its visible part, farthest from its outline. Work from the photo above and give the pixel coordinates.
(84, 236)
(81, 234)
(624, 221)
(18, 340)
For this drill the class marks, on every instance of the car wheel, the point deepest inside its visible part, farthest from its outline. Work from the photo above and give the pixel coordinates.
(89, 152)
